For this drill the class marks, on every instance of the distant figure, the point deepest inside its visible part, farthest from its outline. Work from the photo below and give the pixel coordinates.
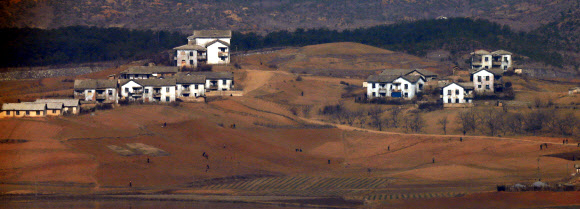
(234, 125)
(296, 149)
(130, 184)
(563, 141)
(302, 94)
(578, 144)
(460, 139)
(203, 155)
(433, 160)
(300, 149)
(464, 132)
(207, 166)
(369, 170)
(164, 124)
(546, 145)
(541, 146)
(389, 148)
(328, 161)
(566, 141)
(147, 160)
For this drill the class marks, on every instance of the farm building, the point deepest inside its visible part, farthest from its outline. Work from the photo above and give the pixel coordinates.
(70, 106)
(486, 80)
(426, 74)
(190, 85)
(148, 90)
(394, 86)
(204, 46)
(26, 109)
(96, 90)
(482, 59)
(146, 72)
(457, 93)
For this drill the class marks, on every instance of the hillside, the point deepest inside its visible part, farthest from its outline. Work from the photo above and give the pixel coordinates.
(270, 15)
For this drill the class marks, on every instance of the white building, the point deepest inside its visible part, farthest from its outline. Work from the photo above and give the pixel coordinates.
(70, 106)
(27, 109)
(205, 46)
(190, 85)
(457, 93)
(426, 74)
(486, 80)
(394, 86)
(148, 90)
(482, 59)
(96, 90)
(218, 81)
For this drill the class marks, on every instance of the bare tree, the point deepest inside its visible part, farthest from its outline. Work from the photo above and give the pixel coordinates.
(468, 120)
(491, 119)
(514, 122)
(443, 123)
(375, 113)
(566, 124)
(414, 122)
(395, 116)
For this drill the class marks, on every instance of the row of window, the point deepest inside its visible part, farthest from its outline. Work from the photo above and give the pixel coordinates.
(479, 78)
(27, 112)
(456, 92)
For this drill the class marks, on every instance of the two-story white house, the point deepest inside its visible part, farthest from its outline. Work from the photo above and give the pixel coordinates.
(96, 90)
(426, 74)
(405, 87)
(218, 81)
(482, 59)
(457, 93)
(148, 90)
(486, 80)
(204, 46)
(190, 85)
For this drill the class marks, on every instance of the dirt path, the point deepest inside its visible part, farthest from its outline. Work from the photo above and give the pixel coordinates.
(258, 79)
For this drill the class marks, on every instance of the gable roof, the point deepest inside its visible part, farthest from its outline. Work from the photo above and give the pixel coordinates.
(480, 52)
(390, 78)
(65, 102)
(150, 69)
(188, 78)
(501, 52)
(95, 84)
(494, 71)
(54, 105)
(216, 41)
(191, 47)
(24, 106)
(462, 85)
(150, 82)
(399, 72)
(211, 34)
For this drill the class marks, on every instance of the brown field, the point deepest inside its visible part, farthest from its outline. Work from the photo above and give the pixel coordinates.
(101, 153)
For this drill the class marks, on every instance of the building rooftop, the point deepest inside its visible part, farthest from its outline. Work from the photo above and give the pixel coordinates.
(151, 82)
(95, 84)
(66, 102)
(390, 78)
(191, 47)
(150, 69)
(211, 34)
(215, 75)
(188, 78)
(495, 71)
(24, 106)
(423, 72)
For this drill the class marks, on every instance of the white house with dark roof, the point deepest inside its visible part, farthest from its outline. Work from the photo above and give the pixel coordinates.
(25, 109)
(96, 90)
(218, 81)
(148, 90)
(457, 93)
(146, 72)
(482, 59)
(205, 46)
(397, 86)
(190, 85)
(486, 80)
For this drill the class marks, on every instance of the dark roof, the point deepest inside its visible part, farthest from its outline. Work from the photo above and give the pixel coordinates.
(24, 106)
(66, 102)
(215, 41)
(423, 72)
(191, 47)
(390, 78)
(151, 82)
(95, 84)
(212, 34)
(215, 75)
(150, 69)
(188, 78)
(501, 52)
(494, 71)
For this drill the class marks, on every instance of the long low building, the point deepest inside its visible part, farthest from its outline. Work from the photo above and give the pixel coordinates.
(26, 109)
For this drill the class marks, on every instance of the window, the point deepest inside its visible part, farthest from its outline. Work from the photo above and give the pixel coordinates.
(456, 91)
(110, 92)
(190, 53)
(374, 94)
(420, 86)
(479, 78)
(456, 100)
(223, 58)
(17, 112)
(7, 112)
(478, 86)
(167, 99)
(190, 62)
(166, 89)
(448, 100)
(486, 86)
(147, 91)
(486, 59)
(487, 78)
(374, 85)
(406, 86)
(126, 90)
(223, 49)
(27, 112)
(37, 112)
(53, 111)
(224, 82)
(406, 94)
(194, 86)
(448, 92)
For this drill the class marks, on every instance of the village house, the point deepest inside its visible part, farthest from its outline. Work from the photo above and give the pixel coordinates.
(70, 106)
(26, 109)
(486, 80)
(190, 85)
(146, 72)
(204, 46)
(394, 86)
(218, 81)
(96, 90)
(148, 90)
(426, 74)
(482, 59)
(54, 108)
(457, 93)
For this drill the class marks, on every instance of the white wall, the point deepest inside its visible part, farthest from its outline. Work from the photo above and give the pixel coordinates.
(204, 41)
(220, 84)
(194, 90)
(130, 85)
(453, 92)
(186, 55)
(213, 51)
(487, 79)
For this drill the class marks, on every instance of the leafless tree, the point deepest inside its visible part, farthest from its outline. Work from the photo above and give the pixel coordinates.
(514, 122)
(468, 120)
(395, 116)
(566, 124)
(491, 119)
(375, 114)
(414, 122)
(443, 123)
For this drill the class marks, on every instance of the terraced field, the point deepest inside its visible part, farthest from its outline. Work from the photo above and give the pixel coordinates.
(305, 186)
(412, 196)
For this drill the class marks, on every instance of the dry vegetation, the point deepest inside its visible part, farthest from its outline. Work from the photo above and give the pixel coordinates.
(299, 135)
